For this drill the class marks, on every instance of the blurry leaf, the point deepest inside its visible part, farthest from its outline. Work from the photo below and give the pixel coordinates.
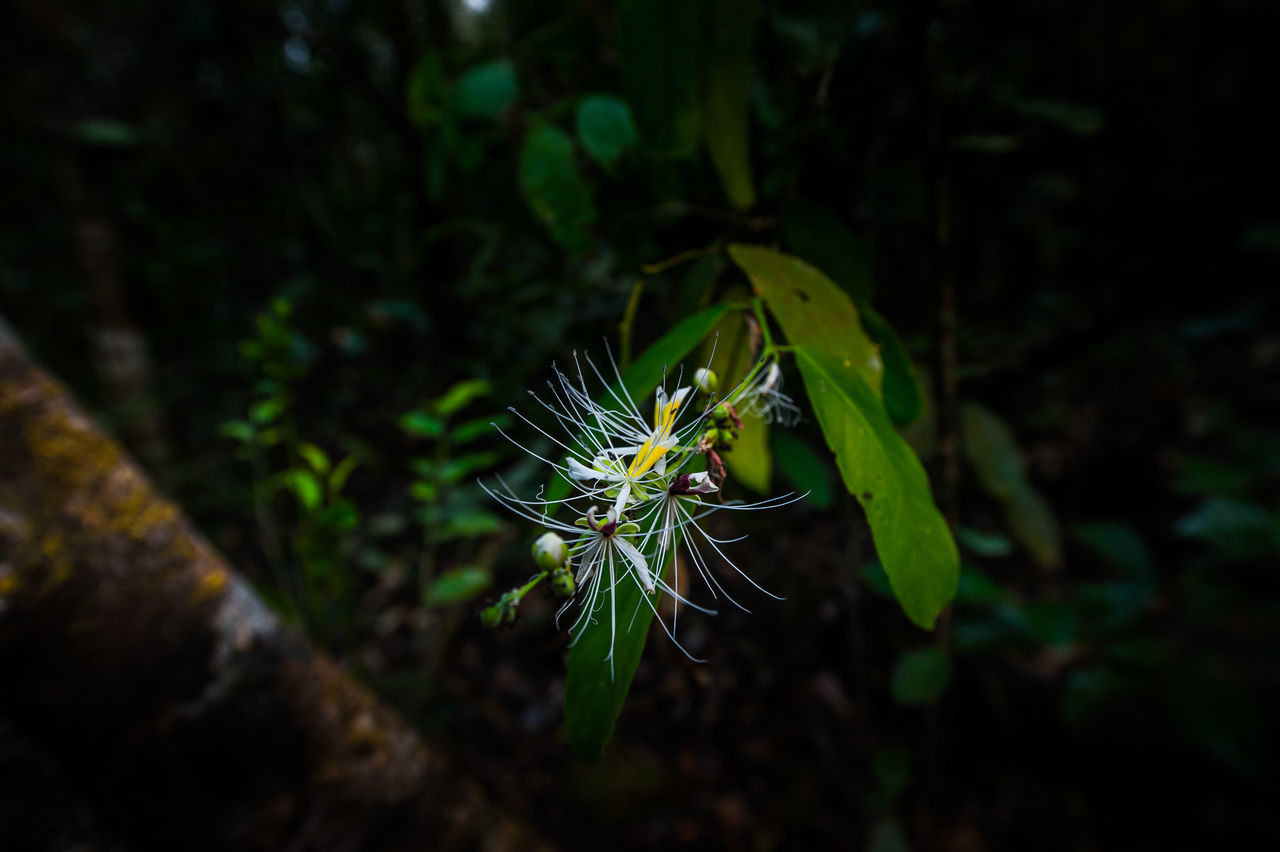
(239, 430)
(1203, 476)
(1264, 236)
(987, 143)
(1002, 472)
(804, 468)
(880, 470)
(887, 836)
(340, 517)
(993, 452)
(458, 586)
(605, 128)
(660, 42)
(873, 575)
(920, 677)
(460, 395)
(267, 411)
(304, 486)
(812, 311)
(555, 189)
(1033, 523)
(728, 88)
(423, 490)
(902, 395)
(458, 467)
(816, 234)
(470, 524)
(976, 587)
(812, 32)
(1054, 623)
(1081, 120)
(893, 769)
(479, 428)
(486, 90)
(105, 133)
(338, 479)
(1237, 528)
(1120, 545)
(315, 457)
(421, 424)
(984, 543)
(425, 91)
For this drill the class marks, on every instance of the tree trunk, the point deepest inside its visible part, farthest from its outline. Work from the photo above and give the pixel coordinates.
(163, 693)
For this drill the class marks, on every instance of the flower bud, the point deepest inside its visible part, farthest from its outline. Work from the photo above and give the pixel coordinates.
(705, 380)
(711, 437)
(550, 551)
(721, 414)
(491, 616)
(562, 583)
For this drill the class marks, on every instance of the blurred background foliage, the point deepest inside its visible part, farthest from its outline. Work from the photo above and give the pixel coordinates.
(301, 255)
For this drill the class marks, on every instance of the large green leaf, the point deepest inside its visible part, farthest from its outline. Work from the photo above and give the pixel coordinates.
(660, 42)
(903, 397)
(594, 688)
(605, 128)
(486, 90)
(811, 309)
(554, 187)
(728, 88)
(807, 471)
(880, 470)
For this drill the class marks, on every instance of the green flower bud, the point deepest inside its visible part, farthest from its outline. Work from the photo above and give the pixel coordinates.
(562, 583)
(711, 436)
(550, 551)
(491, 616)
(705, 380)
(721, 414)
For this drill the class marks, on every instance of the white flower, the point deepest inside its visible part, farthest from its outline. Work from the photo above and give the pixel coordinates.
(764, 398)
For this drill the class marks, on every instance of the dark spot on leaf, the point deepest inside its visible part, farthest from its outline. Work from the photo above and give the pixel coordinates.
(867, 495)
(804, 297)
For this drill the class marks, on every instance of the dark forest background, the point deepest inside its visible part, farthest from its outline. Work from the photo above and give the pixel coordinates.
(268, 244)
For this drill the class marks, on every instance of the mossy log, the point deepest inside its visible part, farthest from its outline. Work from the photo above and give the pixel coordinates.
(166, 695)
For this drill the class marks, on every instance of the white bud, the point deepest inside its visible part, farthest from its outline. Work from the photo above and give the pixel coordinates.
(705, 380)
(550, 551)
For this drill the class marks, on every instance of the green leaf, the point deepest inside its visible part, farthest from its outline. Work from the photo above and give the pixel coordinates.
(728, 96)
(983, 542)
(903, 397)
(479, 428)
(486, 91)
(458, 585)
(605, 128)
(338, 479)
(812, 311)
(422, 425)
(880, 470)
(238, 430)
(267, 411)
(594, 688)
(425, 91)
(1080, 120)
(460, 395)
(555, 189)
(804, 468)
(1002, 472)
(473, 523)
(920, 677)
(305, 487)
(660, 42)
(315, 457)
(105, 133)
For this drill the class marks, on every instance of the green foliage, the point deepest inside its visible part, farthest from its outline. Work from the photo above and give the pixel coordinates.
(807, 471)
(920, 677)
(660, 43)
(554, 188)
(486, 91)
(880, 470)
(729, 63)
(605, 128)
